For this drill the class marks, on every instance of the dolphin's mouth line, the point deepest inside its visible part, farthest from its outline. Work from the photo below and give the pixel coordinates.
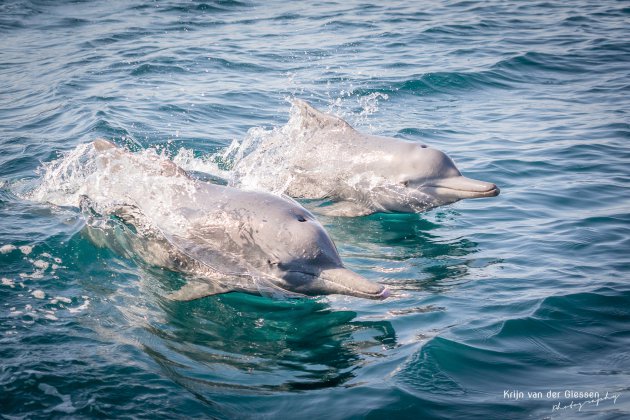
(492, 191)
(381, 294)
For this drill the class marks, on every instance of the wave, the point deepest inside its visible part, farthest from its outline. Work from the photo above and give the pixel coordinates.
(443, 82)
(217, 6)
(523, 64)
(147, 69)
(527, 351)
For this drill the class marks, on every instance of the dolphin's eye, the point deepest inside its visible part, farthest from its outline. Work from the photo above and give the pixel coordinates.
(301, 218)
(405, 183)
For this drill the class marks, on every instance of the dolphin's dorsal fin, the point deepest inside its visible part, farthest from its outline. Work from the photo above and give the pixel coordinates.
(167, 167)
(313, 118)
(197, 289)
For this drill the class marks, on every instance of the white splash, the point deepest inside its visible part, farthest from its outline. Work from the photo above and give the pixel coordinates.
(186, 159)
(368, 104)
(63, 179)
(109, 180)
(263, 160)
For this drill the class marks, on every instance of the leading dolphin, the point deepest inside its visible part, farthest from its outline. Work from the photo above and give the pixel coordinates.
(223, 238)
(324, 158)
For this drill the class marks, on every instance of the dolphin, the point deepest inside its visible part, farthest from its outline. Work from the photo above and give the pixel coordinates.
(360, 174)
(222, 238)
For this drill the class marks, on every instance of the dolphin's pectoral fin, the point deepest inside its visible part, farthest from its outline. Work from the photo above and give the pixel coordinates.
(312, 118)
(344, 209)
(197, 289)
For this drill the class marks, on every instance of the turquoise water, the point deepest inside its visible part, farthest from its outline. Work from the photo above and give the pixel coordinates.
(525, 292)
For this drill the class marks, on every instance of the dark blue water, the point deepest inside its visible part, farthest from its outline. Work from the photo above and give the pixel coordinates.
(495, 298)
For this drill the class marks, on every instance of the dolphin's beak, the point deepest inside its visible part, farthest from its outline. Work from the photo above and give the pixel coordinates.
(461, 187)
(345, 282)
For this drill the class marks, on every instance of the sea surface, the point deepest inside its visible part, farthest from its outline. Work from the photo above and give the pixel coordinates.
(510, 307)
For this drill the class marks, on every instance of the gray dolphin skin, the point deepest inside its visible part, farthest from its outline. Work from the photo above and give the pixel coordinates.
(363, 174)
(222, 238)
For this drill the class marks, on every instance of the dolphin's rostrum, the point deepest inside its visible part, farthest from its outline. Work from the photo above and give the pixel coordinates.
(223, 238)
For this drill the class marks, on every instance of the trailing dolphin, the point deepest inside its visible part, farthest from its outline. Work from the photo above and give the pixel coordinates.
(320, 156)
(223, 238)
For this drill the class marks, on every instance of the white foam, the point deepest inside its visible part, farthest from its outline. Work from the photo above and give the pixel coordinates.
(61, 299)
(38, 294)
(81, 307)
(26, 249)
(8, 282)
(35, 275)
(5, 249)
(43, 265)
